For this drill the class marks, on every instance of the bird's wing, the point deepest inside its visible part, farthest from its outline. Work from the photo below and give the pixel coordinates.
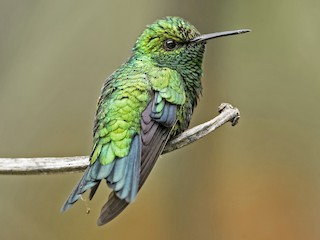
(155, 131)
(157, 121)
(116, 153)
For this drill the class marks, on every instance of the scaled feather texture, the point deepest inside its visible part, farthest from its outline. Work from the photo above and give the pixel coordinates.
(148, 100)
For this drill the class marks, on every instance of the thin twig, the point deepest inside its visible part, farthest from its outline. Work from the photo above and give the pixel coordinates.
(46, 165)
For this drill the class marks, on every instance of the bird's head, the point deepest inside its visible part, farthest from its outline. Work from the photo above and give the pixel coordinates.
(168, 43)
(175, 43)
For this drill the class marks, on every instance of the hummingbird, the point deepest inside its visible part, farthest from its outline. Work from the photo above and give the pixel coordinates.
(145, 102)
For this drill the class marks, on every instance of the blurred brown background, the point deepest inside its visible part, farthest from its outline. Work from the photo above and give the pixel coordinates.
(259, 180)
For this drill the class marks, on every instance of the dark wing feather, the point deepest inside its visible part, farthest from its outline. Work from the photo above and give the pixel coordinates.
(155, 132)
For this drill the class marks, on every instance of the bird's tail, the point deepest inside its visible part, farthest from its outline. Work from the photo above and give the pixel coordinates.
(112, 208)
(83, 185)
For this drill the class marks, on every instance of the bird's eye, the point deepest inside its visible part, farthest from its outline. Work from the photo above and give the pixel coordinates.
(170, 44)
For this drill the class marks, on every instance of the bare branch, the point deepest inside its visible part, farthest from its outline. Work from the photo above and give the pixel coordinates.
(47, 165)
(227, 114)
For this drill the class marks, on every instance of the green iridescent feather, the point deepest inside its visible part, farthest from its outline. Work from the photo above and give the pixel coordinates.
(149, 99)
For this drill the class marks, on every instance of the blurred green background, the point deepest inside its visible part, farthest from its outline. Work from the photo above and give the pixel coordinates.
(259, 180)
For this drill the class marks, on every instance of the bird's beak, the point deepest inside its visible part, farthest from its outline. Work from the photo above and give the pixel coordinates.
(208, 36)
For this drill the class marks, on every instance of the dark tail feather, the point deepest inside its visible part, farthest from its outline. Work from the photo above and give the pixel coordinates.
(79, 189)
(93, 190)
(113, 207)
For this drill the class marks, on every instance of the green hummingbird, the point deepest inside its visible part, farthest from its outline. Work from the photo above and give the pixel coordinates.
(143, 104)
